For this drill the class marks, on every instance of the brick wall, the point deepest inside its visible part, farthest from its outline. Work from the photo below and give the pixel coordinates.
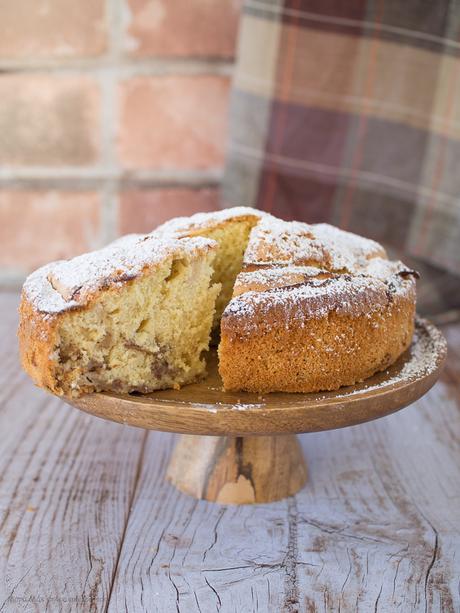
(113, 118)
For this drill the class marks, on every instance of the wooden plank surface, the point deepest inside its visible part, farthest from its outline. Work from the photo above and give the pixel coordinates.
(66, 485)
(87, 522)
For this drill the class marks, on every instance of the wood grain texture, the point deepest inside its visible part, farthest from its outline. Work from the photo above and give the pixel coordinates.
(377, 528)
(65, 488)
(238, 470)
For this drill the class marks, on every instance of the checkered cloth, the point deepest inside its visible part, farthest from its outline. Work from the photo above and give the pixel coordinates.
(349, 112)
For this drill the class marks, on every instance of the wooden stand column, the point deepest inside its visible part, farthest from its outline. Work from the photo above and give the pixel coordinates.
(238, 470)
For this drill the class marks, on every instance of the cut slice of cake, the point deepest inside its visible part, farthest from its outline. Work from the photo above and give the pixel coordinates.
(135, 316)
(314, 308)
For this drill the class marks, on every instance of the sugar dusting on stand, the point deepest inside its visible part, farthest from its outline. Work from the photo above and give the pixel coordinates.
(427, 345)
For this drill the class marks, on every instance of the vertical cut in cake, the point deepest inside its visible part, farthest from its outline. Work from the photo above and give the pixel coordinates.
(230, 228)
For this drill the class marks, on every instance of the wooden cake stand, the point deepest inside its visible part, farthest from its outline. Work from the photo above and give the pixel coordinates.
(240, 447)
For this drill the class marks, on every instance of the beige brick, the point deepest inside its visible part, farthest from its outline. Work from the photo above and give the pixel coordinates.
(143, 210)
(174, 28)
(33, 29)
(173, 122)
(37, 227)
(48, 120)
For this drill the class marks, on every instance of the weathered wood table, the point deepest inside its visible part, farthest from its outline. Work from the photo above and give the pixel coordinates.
(87, 522)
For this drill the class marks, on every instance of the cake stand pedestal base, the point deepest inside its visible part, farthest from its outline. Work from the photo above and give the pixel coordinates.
(239, 469)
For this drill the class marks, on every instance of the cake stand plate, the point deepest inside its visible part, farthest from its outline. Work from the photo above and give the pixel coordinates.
(239, 447)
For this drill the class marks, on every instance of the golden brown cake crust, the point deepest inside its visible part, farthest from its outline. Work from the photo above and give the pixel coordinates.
(305, 343)
(36, 336)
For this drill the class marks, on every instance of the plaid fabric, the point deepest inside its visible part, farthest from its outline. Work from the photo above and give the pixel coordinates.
(349, 112)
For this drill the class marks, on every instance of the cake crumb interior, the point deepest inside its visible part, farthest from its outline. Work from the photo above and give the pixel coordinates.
(232, 239)
(149, 334)
(154, 331)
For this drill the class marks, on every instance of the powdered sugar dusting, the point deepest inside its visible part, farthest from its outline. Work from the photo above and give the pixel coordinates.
(309, 269)
(296, 271)
(295, 305)
(67, 284)
(237, 406)
(421, 359)
(264, 275)
(294, 243)
(346, 250)
(262, 279)
(201, 221)
(42, 295)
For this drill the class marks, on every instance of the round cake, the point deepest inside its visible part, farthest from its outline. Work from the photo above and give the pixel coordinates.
(299, 307)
